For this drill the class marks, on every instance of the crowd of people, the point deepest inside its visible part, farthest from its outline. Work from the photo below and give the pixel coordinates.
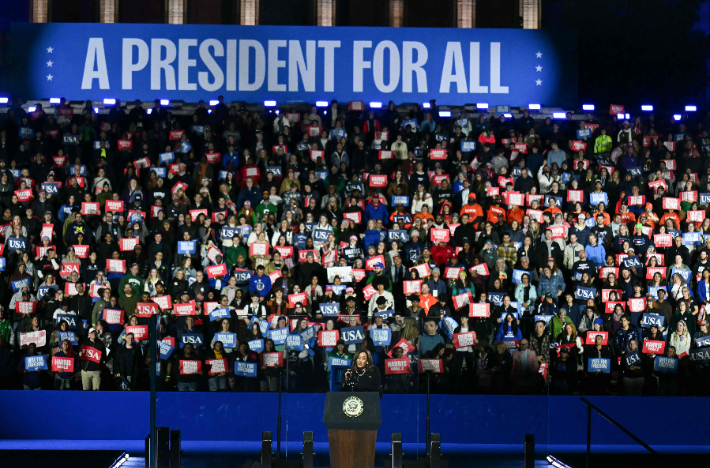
(485, 252)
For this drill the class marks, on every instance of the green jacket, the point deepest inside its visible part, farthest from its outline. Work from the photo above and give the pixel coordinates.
(232, 253)
(263, 209)
(99, 306)
(136, 283)
(556, 325)
(602, 144)
(6, 332)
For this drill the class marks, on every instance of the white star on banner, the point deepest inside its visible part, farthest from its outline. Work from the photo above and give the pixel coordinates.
(49, 77)
(50, 63)
(49, 50)
(538, 55)
(538, 82)
(538, 68)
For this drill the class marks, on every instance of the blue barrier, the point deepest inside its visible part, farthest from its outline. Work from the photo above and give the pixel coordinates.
(460, 419)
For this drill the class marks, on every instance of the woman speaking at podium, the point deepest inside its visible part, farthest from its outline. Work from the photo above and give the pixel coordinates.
(363, 376)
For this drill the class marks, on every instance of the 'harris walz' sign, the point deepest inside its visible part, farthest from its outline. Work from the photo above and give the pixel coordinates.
(193, 62)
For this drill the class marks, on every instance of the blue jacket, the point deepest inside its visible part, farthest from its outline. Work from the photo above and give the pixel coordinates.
(252, 195)
(230, 157)
(702, 292)
(582, 235)
(372, 237)
(507, 335)
(376, 213)
(551, 285)
(622, 338)
(413, 250)
(262, 284)
(596, 254)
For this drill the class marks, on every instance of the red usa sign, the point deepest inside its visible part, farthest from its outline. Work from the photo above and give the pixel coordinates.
(146, 309)
(368, 291)
(90, 354)
(66, 268)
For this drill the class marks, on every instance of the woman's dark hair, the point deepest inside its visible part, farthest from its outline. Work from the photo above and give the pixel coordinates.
(513, 324)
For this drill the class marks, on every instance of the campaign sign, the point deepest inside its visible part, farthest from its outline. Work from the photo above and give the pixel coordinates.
(592, 336)
(260, 248)
(114, 206)
(195, 339)
(384, 314)
(256, 345)
(338, 362)
(35, 363)
(128, 244)
(653, 290)
(696, 216)
(16, 243)
(69, 336)
(164, 302)
(184, 309)
(70, 319)
(25, 307)
(381, 336)
(115, 266)
(330, 308)
(599, 365)
(440, 235)
(654, 346)
(397, 366)
(165, 349)
(704, 199)
(243, 276)
(187, 247)
(245, 369)
(190, 367)
(647, 320)
(217, 366)
(464, 340)
(219, 314)
(637, 304)
(665, 364)
(319, 235)
(703, 341)
(89, 353)
(632, 359)
(299, 298)
(584, 133)
(700, 355)
(435, 366)
(585, 293)
(399, 235)
(229, 340)
(113, 316)
(328, 338)
(294, 343)
(272, 359)
(352, 335)
(671, 203)
(214, 271)
(140, 332)
(62, 364)
(278, 335)
(37, 337)
(663, 240)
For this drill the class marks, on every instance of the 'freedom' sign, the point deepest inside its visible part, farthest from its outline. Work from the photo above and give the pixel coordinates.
(599, 365)
(129, 61)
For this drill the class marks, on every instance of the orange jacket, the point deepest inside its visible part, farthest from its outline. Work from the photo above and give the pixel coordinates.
(495, 213)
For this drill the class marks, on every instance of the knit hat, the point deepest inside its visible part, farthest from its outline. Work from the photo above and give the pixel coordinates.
(599, 322)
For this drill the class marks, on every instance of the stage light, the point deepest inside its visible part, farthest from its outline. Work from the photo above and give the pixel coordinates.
(31, 109)
(508, 115)
(620, 116)
(588, 107)
(321, 103)
(677, 117)
(375, 105)
(534, 107)
(444, 113)
(96, 109)
(628, 116)
(109, 102)
(209, 111)
(165, 102)
(149, 111)
(54, 100)
(278, 112)
(482, 105)
(269, 103)
(426, 105)
(691, 108)
(559, 115)
(647, 108)
(4, 100)
(214, 102)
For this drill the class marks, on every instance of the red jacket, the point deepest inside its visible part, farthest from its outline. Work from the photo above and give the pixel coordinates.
(441, 255)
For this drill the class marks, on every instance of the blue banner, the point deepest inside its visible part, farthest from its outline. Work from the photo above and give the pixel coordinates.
(381, 336)
(229, 340)
(243, 276)
(597, 198)
(67, 335)
(653, 290)
(72, 320)
(219, 314)
(558, 200)
(400, 199)
(229, 232)
(336, 361)
(320, 235)
(584, 133)
(668, 364)
(195, 338)
(159, 171)
(50, 188)
(703, 341)
(245, 369)
(518, 276)
(352, 335)
(35, 363)
(704, 199)
(167, 157)
(632, 359)
(385, 314)
(187, 247)
(294, 343)
(256, 345)
(585, 293)
(19, 284)
(652, 319)
(468, 146)
(166, 350)
(399, 235)
(496, 298)
(275, 170)
(71, 139)
(543, 318)
(330, 308)
(256, 63)
(16, 243)
(308, 334)
(599, 365)
(278, 335)
(700, 355)
(634, 171)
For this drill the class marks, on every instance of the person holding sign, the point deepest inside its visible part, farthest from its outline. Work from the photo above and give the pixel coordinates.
(127, 363)
(92, 355)
(680, 339)
(363, 376)
(64, 380)
(30, 377)
(633, 374)
(596, 383)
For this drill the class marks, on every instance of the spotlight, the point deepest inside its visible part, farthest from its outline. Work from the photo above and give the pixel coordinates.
(109, 102)
(269, 103)
(588, 107)
(534, 107)
(376, 105)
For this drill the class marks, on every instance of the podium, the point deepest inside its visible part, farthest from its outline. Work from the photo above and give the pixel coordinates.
(352, 419)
